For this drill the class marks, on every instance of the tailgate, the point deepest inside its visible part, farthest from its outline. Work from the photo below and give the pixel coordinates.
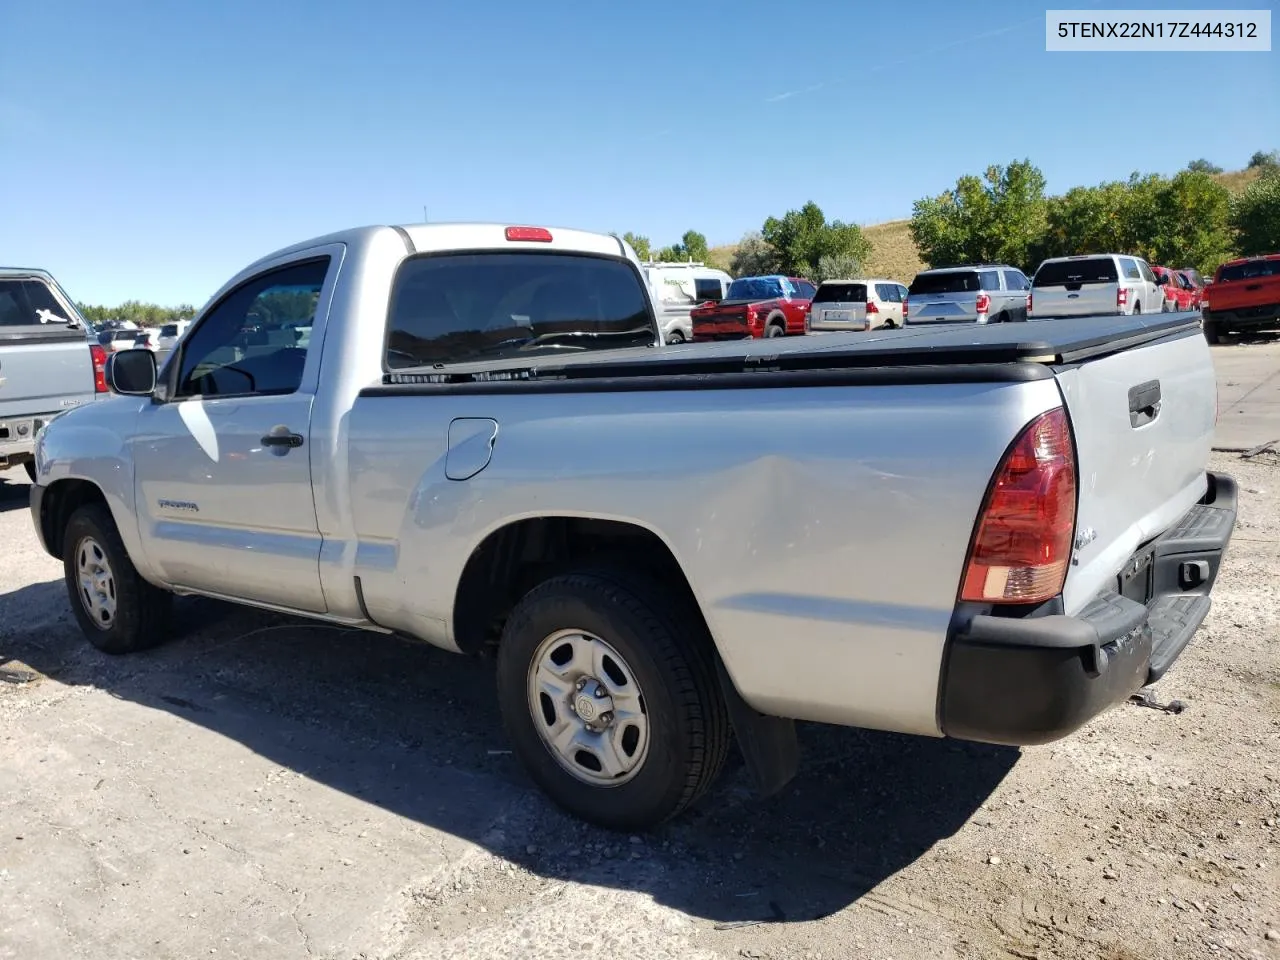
(48, 370)
(1085, 300)
(942, 308)
(1143, 420)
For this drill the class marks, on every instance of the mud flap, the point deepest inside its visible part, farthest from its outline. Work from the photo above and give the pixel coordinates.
(768, 744)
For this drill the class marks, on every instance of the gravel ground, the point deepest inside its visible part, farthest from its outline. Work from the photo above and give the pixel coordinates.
(265, 788)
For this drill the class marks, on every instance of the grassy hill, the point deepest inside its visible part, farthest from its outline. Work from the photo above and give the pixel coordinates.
(894, 255)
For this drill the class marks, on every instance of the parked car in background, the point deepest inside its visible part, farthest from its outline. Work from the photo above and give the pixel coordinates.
(1193, 275)
(441, 467)
(48, 364)
(1094, 285)
(677, 289)
(1244, 295)
(975, 293)
(170, 334)
(126, 339)
(856, 305)
(1191, 281)
(1177, 292)
(768, 306)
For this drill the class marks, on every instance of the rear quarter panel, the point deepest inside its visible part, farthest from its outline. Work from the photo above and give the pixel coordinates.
(823, 530)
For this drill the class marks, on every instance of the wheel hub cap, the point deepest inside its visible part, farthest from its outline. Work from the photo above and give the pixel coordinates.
(97, 583)
(588, 708)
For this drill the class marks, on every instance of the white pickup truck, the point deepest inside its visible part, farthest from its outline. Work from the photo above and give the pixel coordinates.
(468, 435)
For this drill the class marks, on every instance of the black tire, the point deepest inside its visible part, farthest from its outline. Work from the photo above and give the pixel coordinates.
(1212, 332)
(676, 338)
(30, 467)
(666, 649)
(141, 611)
(1137, 307)
(774, 330)
(1002, 317)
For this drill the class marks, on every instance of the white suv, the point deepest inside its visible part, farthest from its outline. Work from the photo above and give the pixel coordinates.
(1095, 284)
(856, 305)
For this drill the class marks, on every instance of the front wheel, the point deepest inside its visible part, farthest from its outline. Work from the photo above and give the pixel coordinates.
(608, 692)
(118, 611)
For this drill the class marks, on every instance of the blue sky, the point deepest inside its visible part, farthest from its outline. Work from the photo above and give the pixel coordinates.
(150, 150)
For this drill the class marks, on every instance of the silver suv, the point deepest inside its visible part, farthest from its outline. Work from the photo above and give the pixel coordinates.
(1104, 283)
(976, 293)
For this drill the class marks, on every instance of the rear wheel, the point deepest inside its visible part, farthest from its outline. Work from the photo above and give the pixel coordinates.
(1212, 332)
(608, 692)
(675, 337)
(1137, 306)
(118, 611)
(774, 330)
(1002, 317)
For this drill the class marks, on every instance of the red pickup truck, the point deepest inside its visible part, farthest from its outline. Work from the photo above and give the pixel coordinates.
(771, 306)
(1244, 294)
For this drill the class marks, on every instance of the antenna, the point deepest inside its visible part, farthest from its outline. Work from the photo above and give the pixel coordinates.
(424, 213)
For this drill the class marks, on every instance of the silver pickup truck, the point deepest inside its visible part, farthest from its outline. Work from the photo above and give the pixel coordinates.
(47, 364)
(981, 533)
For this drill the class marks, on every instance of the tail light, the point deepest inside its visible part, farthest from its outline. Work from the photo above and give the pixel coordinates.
(99, 356)
(984, 303)
(904, 310)
(1029, 296)
(872, 308)
(1022, 544)
(1122, 298)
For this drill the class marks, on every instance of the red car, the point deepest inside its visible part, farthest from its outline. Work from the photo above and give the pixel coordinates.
(1191, 280)
(771, 306)
(1245, 294)
(1178, 296)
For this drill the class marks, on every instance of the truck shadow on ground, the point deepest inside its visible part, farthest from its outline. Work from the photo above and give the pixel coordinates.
(15, 493)
(343, 707)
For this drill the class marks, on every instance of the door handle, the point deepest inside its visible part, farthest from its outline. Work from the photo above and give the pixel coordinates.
(282, 438)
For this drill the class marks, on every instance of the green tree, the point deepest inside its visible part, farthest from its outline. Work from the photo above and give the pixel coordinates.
(1192, 222)
(1203, 166)
(692, 246)
(754, 257)
(1263, 158)
(1255, 215)
(639, 244)
(801, 238)
(837, 267)
(999, 217)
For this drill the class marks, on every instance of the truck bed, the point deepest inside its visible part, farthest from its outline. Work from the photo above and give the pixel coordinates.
(959, 353)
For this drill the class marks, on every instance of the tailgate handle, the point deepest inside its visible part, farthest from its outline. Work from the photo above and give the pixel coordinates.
(1144, 403)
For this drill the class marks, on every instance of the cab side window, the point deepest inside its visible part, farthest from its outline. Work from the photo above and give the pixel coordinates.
(254, 341)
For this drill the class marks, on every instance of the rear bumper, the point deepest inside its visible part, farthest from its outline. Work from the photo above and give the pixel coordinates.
(18, 436)
(1259, 316)
(1033, 679)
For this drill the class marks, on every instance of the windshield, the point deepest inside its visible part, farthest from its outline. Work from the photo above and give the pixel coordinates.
(756, 288)
(451, 309)
(1249, 270)
(958, 281)
(1057, 273)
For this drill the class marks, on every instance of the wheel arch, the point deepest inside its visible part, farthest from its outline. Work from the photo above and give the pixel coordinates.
(61, 499)
(511, 559)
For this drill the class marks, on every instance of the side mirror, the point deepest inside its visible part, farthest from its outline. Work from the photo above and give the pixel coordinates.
(132, 373)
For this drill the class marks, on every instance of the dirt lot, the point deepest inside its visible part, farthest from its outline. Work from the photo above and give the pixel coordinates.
(264, 788)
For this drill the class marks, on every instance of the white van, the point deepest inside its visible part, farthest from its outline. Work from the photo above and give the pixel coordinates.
(677, 289)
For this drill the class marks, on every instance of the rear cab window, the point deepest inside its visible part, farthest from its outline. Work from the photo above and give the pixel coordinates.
(957, 281)
(1249, 270)
(755, 288)
(27, 302)
(704, 289)
(841, 293)
(458, 308)
(1070, 273)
